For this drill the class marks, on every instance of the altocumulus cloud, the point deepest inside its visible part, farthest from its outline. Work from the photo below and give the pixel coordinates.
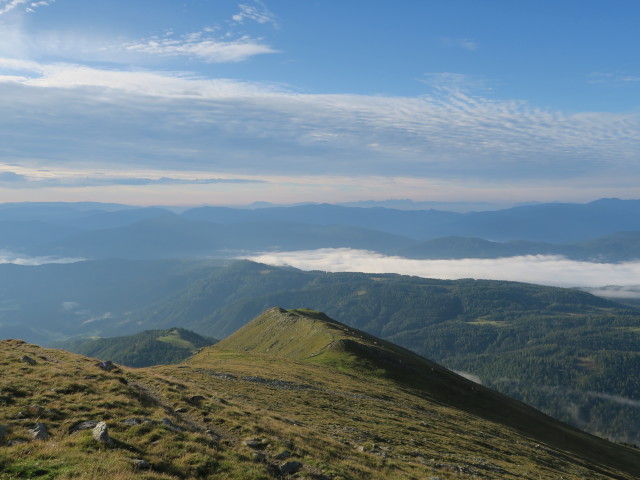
(119, 117)
(539, 269)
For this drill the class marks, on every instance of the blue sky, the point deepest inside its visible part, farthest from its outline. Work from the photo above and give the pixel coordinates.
(225, 102)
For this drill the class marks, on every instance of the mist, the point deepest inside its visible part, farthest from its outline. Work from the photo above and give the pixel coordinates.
(539, 269)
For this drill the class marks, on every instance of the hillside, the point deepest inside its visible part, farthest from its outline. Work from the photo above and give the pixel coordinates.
(242, 409)
(568, 353)
(151, 347)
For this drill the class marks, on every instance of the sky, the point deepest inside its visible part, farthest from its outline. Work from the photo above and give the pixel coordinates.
(190, 102)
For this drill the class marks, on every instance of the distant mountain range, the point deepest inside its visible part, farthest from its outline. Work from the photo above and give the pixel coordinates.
(604, 230)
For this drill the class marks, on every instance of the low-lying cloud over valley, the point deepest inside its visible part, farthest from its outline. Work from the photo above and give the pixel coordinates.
(539, 269)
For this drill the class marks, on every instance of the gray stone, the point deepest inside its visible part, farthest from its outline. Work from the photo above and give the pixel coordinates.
(259, 456)
(140, 464)
(86, 425)
(108, 365)
(255, 443)
(289, 468)
(137, 421)
(3, 433)
(181, 410)
(29, 360)
(39, 432)
(100, 433)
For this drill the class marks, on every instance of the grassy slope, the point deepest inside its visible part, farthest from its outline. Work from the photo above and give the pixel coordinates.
(150, 347)
(340, 423)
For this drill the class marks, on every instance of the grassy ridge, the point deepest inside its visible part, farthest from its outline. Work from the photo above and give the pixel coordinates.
(337, 422)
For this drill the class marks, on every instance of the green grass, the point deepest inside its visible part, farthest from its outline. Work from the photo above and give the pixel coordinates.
(359, 409)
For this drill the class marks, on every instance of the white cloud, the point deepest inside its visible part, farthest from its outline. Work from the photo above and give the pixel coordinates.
(30, 6)
(257, 12)
(121, 117)
(9, 257)
(196, 45)
(538, 269)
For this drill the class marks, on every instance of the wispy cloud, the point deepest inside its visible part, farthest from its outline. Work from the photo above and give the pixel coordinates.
(9, 257)
(258, 12)
(612, 77)
(28, 5)
(174, 121)
(201, 46)
(78, 178)
(539, 269)
(464, 43)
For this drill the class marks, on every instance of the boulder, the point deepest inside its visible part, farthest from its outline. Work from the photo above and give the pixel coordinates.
(28, 360)
(289, 468)
(86, 425)
(100, 433)
(140, 464)
(39, 432)
(107, 366)
(255, 443)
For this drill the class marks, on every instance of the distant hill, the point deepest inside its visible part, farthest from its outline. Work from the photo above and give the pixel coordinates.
(151, 347)
(356, 408)
(613, 248)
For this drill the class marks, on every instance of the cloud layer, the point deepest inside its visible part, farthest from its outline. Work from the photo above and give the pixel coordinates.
(539, 269)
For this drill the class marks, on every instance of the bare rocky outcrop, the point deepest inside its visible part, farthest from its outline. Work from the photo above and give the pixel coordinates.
(100, 433)
(39, 432)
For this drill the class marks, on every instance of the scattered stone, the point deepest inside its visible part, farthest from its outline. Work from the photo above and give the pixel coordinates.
(255, 443)
(289, 468)
(259, 456)
(196, 399)
(17, 441)
(107, 366)
(283, 455)
(39, 432)
(28, 360)
(136, 421)
(140, 464)
(181, 410)
(100, 433)
(86, 425)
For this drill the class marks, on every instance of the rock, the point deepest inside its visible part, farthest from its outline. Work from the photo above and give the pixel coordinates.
(107, 366)
(255, 443)
(100, 433)
(259, 456)
(196, 399)
(17, 441)
(29, 360)
(289, 468)
(140, 464)
(181, 410)
(283, 455)
(3, 433)
(136, 421)
(39, 432)
(86, 425)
